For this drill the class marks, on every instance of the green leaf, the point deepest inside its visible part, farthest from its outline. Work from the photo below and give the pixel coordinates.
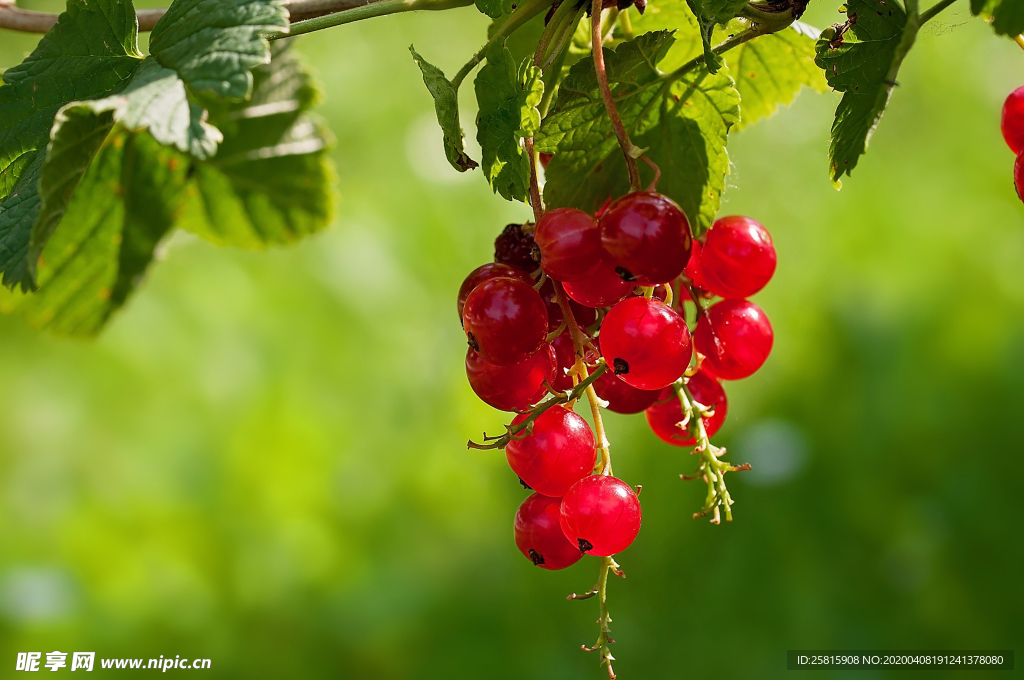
(1007, 15)
(496, 8)
(709, 13)
(214, 44)
(861, 59)
(446, 106)
(682, 121)
(771, 69)
(89, 53)
(508, 97)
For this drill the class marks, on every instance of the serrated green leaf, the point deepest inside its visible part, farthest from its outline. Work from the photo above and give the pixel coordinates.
(446, 107)
(1007, 15)
(672, 15)
(492, 8)
(89, 53)
(771, 69)
(709, 13)
(862, 63)
(508, 96)
(214, 44)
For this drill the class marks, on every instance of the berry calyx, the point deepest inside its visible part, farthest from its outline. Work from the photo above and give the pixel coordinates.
(491, 270)
(1013, 120)
(647, 237)
(570, 244)
(560, 451)
(667, 412)
(516, 248)
(646, 343)
(601, 515)
(505, 320)
(735, 338)
(602, 288)
(538, 534)
(621, 397)
(738, 257)
(515, 387)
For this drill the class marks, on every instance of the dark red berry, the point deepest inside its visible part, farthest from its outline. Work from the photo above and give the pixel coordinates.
(600, 289)
(570, 244)
(505, 321)
(545, 158)
(647, 237)
(585, 316)
(692, 270)
(735, 338)
(517, 249)
(1018, 175)
(490, 270)
(560, 452)
(515, 387)
(738, 257)
(646, 343)
(623, 398)
(601, 515)
(538, 533)
(1013, 120)
(565, 358)
(667, 412)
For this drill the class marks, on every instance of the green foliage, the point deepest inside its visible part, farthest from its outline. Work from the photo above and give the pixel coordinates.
(495, 8)
(709, 13)
(446, 106)
(861, 59)
(1007, 15)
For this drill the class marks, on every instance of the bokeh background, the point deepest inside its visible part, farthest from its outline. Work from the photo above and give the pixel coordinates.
(262, 460)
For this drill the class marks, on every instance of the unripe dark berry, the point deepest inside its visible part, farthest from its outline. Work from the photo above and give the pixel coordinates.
(646, 343)
(560, 451)
(1013, 120)
(517, 249)
(570, 244)
(602, 288)
(515, 387)
(505, 320)
(621, 397)
(667, 412)
(735, 338)
(601, 515)
(738, 257)
(539, 536)
(647, 237)
(491, 270)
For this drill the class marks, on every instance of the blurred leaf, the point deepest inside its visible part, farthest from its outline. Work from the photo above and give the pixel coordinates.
(709, 13)
(672, 15)
(89, 53)
(446, 106)
(1007, 15)
(862, 59)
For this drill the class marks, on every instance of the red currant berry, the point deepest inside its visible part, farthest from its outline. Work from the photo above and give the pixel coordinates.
(516, 248)
(647, 236)
(545, 158)
(560, 452)
(490, 270)
(646, 343)
(601, 515)
(738, 257)
(1018, 175)
(600, 289)
(515, 387)
(505, 321)
(623, 398)
(585, 316)
(604, 206)
(570, 244)
(735, 338)
(565, 358)
(1013, 120)
(666, 413)
(692, 270)
(539, 536)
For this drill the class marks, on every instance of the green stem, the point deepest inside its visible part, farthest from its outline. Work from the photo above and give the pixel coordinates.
(374, 9)
(523, 14)
(930, 13)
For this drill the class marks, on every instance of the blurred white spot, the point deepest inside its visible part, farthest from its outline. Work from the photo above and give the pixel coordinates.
(424, 149)
(37, 595)
(777, 450)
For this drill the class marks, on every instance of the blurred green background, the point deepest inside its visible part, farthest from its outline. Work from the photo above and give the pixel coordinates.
(262, 461)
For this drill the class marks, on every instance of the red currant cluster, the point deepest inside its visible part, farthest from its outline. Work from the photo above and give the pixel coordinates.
(601, 316)
(1013, 133)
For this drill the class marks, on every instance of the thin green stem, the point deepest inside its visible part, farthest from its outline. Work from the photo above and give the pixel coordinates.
(930, 13)
(523, 14)
(374, 9)
(554, 28)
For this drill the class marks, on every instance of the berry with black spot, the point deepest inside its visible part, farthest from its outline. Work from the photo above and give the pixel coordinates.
(538, 534)
(646, 343)
(601, 515)
(647, 237)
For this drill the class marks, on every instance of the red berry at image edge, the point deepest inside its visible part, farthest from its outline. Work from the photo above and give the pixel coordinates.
(1013, 120)
(735, 338)
(623, 398)
(585, 316)
(516, 248)
(569, 242)
(738, 257)
(490, 270)
(505, 321)
(1018, 175)
(647, 237)
(515, 387)
(560, 452)
(602, 288)
(539, 536)
(667, 412)
(601, 515)
(645, 343)
(692, 269)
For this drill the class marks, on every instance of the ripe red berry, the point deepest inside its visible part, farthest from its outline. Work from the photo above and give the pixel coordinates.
(667, 412)
(623, 398)
(1013, 120)
(515, 387)
(1018, 175)
(516, 248)
(602, 288)
(560, 452)
(738, 257)
(538, 533)
(646, 343)
(601, 515)
(490, 270)
(647, 237)
(570, 244)
(735, 338)
(692, 270)
(505, 320)
(585, 316)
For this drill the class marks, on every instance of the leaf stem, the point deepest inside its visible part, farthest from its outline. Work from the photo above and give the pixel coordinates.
(523, 14)
(369, 11)
(535, 200)
(930, 13)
